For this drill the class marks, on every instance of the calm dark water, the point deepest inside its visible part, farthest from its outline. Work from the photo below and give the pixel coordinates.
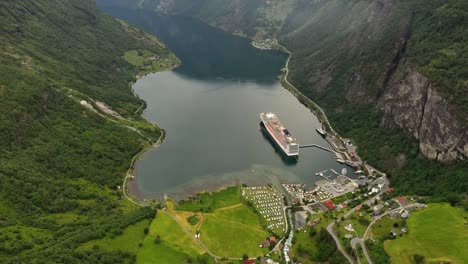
(210, 109)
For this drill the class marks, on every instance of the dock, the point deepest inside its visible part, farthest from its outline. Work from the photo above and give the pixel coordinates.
(316, 146)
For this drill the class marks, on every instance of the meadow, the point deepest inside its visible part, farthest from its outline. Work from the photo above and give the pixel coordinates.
(166, 242)
(233, 231)
(438, 233)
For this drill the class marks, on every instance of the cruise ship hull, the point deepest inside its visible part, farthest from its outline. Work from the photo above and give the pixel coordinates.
(272, 126)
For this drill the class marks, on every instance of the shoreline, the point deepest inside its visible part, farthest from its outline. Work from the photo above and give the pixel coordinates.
(126, 191)
(129, 193)
(314, 107)
(132, 195)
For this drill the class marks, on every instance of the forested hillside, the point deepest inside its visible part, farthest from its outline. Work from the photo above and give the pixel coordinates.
(61, 163)
(390, 74)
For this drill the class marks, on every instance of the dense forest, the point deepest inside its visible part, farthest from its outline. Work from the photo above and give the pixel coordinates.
(438, 49)
(344, 54)
(60, 164)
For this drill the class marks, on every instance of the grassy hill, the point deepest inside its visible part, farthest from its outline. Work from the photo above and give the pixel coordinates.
(60, 163)
(437, 233)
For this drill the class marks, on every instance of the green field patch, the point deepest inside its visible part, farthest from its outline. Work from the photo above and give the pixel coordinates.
(147, 62)
(167, 243)
(438, 233)
(237, 213)
(208, 202)
(358, 229)
(17, 238)
(137, 57)
(148, 129)
(233, 231)
(64, 218)
(305, 246)
(385, 225)
(162, 253)
(128, 241)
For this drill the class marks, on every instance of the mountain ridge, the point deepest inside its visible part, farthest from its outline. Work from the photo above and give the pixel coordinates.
(61, 155)
(368, 34)
(358, 59)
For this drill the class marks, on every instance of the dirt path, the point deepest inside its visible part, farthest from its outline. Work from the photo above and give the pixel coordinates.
(228, 207)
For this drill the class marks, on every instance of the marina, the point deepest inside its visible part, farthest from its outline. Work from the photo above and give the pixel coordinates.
(210, 114)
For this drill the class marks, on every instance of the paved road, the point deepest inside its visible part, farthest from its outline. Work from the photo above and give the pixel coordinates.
(355, 241)
(369, 202)
(312, 102)
(386, 213)
(361, 241)
(128, 174)
(336, 239)
(337, 242)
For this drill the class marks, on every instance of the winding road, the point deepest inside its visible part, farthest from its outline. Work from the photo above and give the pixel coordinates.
(370, 201)
(128, 175)
(285, 79)
(337, 240)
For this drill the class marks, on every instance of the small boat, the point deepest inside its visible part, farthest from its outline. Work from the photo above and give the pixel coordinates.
(321, 131)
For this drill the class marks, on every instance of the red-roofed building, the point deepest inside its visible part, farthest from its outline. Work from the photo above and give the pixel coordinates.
(389, 190)
(249, 261)
(272, 239)
(358, 207)
(329, 204)
(402, 201)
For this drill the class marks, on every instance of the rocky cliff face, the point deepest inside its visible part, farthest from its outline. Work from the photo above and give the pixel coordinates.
(353, 52)
(411, 102)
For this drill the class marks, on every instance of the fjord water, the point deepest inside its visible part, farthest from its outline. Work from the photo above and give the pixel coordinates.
(210, 109)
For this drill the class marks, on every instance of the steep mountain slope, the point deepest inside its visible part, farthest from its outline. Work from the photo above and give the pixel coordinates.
(60, 162)
(354, 48)
(367, 50)
(390, 74)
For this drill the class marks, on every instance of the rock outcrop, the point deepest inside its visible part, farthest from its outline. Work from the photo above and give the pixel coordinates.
(411, 102)
(353, 51)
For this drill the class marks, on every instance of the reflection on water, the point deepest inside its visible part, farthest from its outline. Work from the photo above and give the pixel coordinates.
(210, 109)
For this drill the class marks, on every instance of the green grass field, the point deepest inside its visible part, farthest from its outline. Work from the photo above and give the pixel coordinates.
(305, 244)
(142, 60)
(384, 226)
(175, 246)
(136, 58)
(233, 231)
(209, 202)
(128, 241)
(439, 233)
(358, 228)
(162, 253)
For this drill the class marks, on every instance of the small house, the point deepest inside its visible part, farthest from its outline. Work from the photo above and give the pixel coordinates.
(329, 204)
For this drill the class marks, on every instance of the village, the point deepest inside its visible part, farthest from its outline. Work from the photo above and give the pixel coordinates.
(354, 204)
(265, 44)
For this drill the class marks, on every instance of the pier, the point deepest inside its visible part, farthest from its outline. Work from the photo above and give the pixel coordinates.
(316, 146)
